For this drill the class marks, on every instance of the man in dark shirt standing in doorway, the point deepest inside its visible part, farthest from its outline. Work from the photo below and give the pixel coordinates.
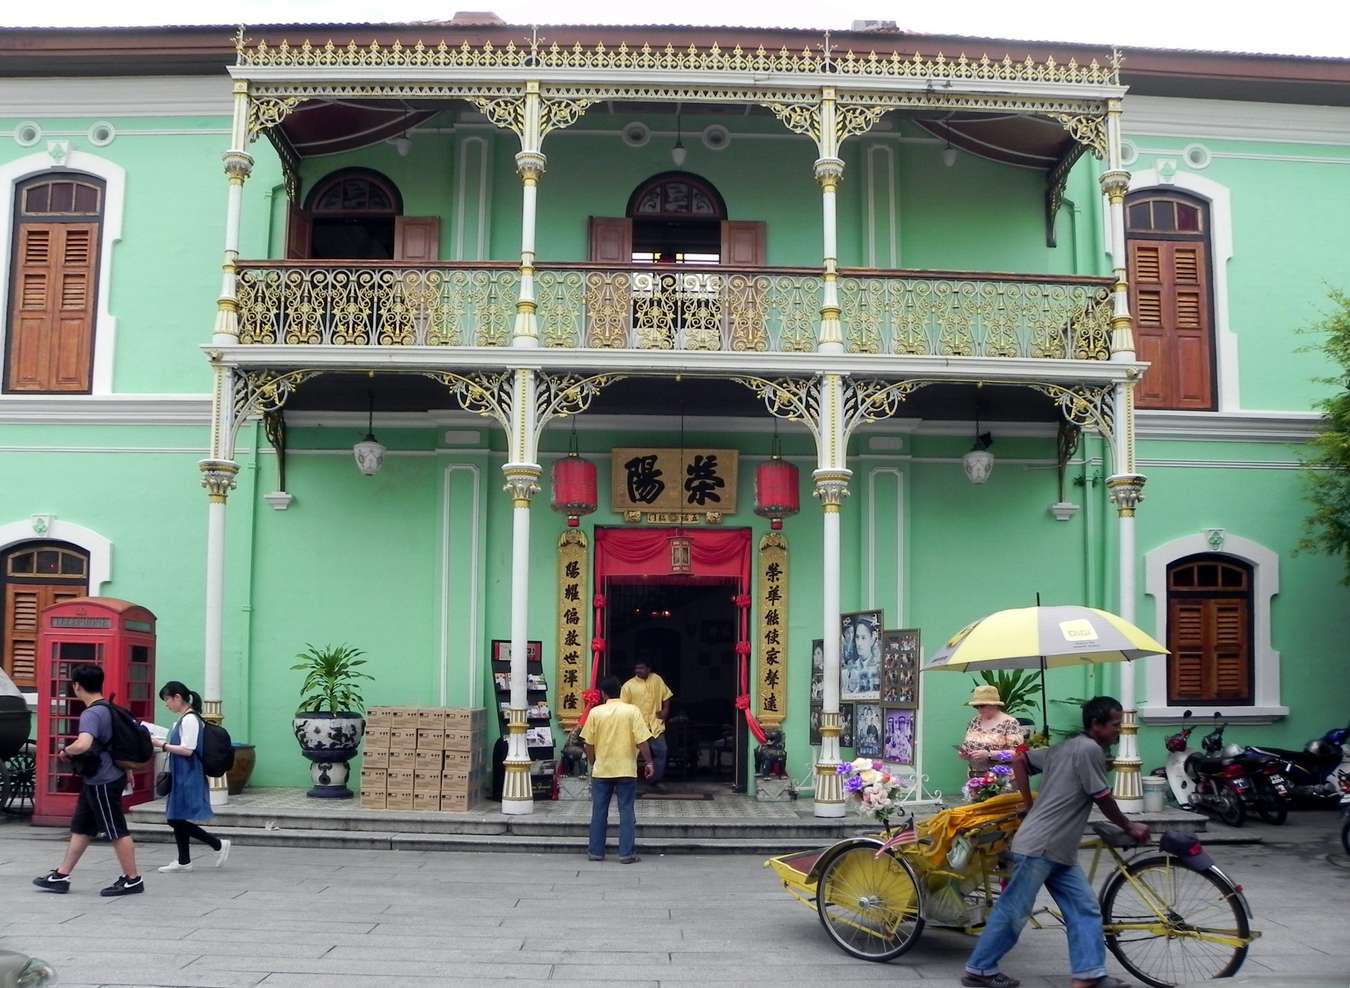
(1045, 852)
(99, 807)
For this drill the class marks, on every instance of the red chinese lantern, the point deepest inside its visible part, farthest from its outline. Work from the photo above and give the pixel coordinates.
(776, 491)
(574, 487)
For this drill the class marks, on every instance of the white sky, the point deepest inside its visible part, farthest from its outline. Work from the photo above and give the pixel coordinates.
(1306, 27)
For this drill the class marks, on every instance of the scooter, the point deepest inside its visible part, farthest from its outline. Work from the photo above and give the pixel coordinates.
(1206, 780)
(1312, 772)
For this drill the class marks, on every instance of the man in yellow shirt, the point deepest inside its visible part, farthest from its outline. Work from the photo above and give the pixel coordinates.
(614, 734)
(649, 693)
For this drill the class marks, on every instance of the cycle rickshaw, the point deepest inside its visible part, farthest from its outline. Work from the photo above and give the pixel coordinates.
(18, 764)
(1170, 915)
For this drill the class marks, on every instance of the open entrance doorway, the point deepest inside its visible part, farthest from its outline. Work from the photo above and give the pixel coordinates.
(684, 628)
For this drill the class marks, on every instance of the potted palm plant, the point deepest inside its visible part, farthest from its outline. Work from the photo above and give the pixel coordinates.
(329, 724)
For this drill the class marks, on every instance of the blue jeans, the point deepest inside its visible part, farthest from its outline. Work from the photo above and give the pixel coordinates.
(602, 790)
(1070, 889)
(659, 751)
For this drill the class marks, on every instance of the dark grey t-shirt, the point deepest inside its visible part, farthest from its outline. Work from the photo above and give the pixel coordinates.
(1075, 773)
(97, 720)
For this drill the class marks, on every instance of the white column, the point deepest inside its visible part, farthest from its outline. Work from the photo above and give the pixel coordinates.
(829, 170)
(1125, 489)
(522, 484)
(238, 165)
(831, 487)
(530, 164)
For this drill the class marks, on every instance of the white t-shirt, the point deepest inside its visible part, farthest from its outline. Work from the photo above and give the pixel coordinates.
(189, 725)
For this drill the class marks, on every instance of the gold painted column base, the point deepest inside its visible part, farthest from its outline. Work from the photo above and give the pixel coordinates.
(829, 800)
(517, 794)
(1128, 787)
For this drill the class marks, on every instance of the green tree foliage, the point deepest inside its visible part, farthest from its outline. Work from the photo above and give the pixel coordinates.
(1327, 456)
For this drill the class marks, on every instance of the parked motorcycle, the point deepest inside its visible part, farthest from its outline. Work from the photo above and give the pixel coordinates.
(1312, 772)
(1344, 779)
(1270, 793)
(1208, 780)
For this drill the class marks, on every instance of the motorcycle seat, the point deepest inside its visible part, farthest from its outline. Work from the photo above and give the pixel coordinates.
(1210, 766)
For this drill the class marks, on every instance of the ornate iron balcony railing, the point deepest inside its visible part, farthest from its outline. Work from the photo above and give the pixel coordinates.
(944, 314)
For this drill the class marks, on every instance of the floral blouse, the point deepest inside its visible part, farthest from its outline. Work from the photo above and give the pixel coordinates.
(1004, 734)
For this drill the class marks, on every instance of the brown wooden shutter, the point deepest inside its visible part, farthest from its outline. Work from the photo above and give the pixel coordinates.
(23, 605)
(1211, 650)
(1230, 651)
(743, 243)
(52, 316)
(299, 233)
(417, 238)
(611, 240)
(1169, 296)
(1186, 642)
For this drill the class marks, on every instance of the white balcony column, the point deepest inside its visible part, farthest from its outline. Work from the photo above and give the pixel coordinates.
(831, 487)
(829, 171)
(522, 473)
(1115, 183)
(218, 477)
(530, 164)
(238, 166)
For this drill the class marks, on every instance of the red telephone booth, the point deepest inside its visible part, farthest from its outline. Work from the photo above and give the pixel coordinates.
(103, 631)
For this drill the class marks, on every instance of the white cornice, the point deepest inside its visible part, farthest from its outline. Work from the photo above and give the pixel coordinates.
(1236, 120)
(132, 409)
(131, 96)
(1294, 427)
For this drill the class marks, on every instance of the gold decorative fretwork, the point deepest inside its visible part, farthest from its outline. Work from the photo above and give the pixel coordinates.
(667, 58)
(259, 391)
(1088, 129)
(1086, 406)
(801, 116)
(797, 399)
(492, 393)
(773, 629)
(265, 112)
(507, 112)
(558, 113)
(574, 602)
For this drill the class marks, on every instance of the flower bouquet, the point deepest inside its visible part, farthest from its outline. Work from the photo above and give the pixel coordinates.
(878, 791)
(989, 784)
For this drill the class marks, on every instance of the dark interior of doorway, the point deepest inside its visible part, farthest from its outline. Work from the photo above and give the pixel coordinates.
(685, 628)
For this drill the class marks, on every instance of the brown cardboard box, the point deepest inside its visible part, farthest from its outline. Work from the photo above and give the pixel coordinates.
(376, 737)
(464, 718)
(376, 758)
(404, 738)
(398, 801)
(402, 759)
(433, 717)
(426, 780)
(431, 739)
(374, 779)
(372, 800)
(465, 760)
(379, 717)
(461, 740)
(427, 801)
(458, 802)
(400, 780)
(428, 760)
(456, 780)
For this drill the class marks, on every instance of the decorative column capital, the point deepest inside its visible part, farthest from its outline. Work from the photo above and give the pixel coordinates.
(238, 165)
(522, 482)
(829, 172)
(530, 165)
(831, 487)
(1115, 184)
(218, 478)
(1125, 490)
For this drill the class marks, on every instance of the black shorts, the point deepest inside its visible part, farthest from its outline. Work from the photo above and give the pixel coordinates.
(99, 811)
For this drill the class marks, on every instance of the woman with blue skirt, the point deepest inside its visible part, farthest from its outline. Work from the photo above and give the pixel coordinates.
(190, 797)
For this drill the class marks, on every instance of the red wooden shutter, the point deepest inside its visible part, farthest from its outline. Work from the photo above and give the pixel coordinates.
(417, 238)
(52, 315)
(299, 228)
(1169, 289)
(611, 240)
(743, 243)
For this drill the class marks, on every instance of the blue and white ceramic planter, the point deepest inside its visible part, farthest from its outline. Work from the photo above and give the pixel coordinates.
(329, 741)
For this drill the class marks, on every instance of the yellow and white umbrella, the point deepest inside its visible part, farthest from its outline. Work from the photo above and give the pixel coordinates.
(1044, 638)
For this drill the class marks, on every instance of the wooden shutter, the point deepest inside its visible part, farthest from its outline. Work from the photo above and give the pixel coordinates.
(1169, 289)
(23, 604)
(611, 240)
(417, 238)
(52, 316)
(1211, 650)
(299, 233)
(743, 243)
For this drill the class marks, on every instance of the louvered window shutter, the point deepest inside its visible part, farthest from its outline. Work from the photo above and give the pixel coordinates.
(1169, 297)
(1186, 641)
(52, 316)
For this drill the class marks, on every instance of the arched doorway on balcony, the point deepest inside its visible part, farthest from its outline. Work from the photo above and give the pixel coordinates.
(356, 214)
(677, 218)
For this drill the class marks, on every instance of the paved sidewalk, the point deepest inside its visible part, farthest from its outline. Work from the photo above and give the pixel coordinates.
(302, 917)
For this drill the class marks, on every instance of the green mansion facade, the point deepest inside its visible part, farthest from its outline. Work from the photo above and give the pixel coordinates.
(492, 246)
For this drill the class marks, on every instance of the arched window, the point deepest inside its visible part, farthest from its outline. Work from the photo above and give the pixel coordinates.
(54, 283)
(1209, 630)
(1167, 234)
(35, 575)
(352, 215)
(676, 218)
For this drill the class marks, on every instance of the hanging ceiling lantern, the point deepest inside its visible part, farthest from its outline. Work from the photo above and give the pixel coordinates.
(979, 462)
(369, 452)
(574, 486)
(777, 486)
(681, 554)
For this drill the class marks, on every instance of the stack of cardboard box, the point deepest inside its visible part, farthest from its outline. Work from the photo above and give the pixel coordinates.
(422, 758)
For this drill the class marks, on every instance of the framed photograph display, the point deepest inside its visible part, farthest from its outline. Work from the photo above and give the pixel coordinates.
(898, 745)
(817, 674)
(846, 725)
(860, 655)
(815, 724)
(900, 667)
(867, 730)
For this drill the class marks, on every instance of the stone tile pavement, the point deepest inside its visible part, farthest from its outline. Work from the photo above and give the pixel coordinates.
(278, 916)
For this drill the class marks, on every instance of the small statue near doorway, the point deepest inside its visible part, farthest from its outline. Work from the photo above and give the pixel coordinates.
(574, 755)
(771, 756)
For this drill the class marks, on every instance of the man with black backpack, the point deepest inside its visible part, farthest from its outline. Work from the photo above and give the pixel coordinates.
(99, 808)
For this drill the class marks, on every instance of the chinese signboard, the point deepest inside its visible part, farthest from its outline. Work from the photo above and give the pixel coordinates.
(773, 629)
(674, 485)
(573, 599)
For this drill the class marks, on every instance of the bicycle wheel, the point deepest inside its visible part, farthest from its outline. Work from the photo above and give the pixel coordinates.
(1177, 926)
(870, 906)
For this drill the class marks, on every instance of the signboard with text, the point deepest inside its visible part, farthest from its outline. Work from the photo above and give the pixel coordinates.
(674, 485)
